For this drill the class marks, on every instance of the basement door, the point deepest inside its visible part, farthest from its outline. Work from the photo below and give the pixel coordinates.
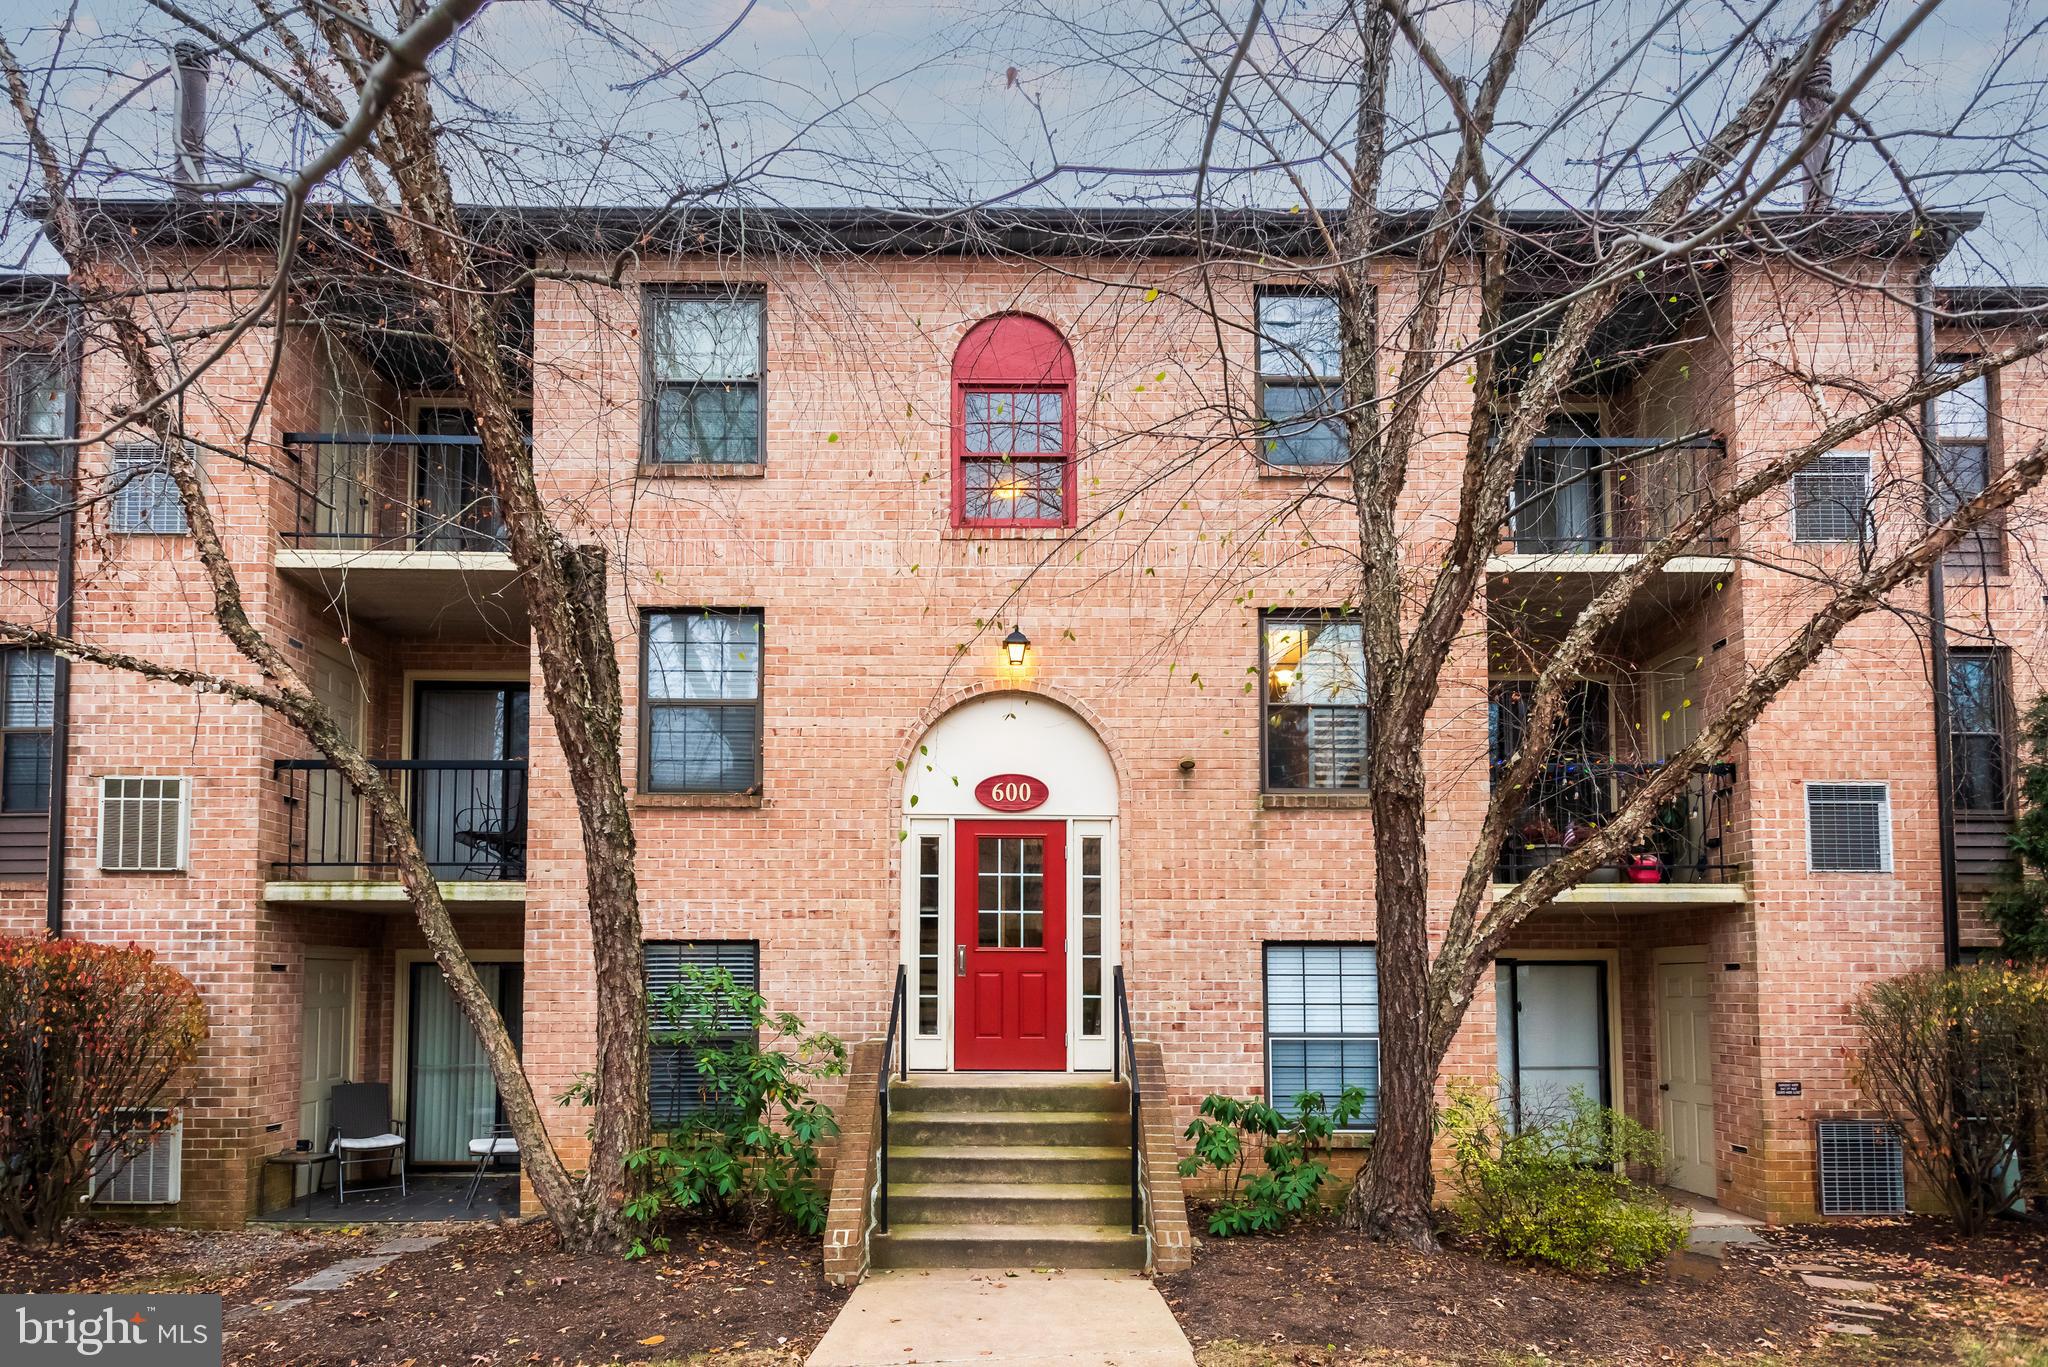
(1010, 937)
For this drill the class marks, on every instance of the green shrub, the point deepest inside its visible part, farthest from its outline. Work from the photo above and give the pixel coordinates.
(750, 1155)
(1557, 1192)
(1958, 1061)
(1228, 1131)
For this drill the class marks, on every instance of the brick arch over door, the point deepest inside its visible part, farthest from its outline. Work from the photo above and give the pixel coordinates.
(1010, 732)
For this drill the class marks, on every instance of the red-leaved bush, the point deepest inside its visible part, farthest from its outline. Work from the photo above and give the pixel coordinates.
(90, 1036)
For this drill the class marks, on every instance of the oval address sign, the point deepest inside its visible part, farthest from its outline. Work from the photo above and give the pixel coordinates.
(1010, 792)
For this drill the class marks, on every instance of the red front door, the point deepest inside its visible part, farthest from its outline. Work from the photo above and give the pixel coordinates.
(1010, 892)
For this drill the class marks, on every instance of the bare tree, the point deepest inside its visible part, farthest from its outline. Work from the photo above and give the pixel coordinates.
(1458, 317)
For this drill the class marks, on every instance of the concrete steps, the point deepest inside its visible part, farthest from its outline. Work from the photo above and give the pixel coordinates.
(1009, 1170)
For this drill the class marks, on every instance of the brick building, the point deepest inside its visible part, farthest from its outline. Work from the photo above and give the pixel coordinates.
(837, 461)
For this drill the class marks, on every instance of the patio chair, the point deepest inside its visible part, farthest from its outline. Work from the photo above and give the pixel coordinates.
(498, 1143)
(364, 1131)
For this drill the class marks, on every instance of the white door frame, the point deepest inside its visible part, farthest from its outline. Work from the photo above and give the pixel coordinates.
(987, 736)
(933, 1052)
(1659, 958)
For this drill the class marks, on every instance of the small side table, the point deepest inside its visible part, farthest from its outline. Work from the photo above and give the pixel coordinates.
(295, 1159)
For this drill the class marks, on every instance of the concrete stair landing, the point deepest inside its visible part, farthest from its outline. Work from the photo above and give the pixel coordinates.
(1010, 1170)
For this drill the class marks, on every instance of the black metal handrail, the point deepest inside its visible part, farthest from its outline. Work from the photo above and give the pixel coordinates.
(1606, 500)
(392, 491)
(469, 816)
(1572, 796)
(893, 1058)
(1124, 1064)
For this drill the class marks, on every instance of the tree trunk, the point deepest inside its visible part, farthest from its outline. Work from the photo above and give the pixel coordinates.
(1395, 1195)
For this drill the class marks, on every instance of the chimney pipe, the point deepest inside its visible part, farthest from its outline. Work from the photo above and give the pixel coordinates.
(191, 64)
(1815, 95)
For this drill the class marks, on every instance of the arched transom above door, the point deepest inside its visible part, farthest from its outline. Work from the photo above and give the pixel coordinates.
(1023, 742)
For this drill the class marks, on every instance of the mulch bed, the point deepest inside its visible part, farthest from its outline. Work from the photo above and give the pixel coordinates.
(1319, 1295)
(106, 1256)
(1320, 1287)
(511, 1295)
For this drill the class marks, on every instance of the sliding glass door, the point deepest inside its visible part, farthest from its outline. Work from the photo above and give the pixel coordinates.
(449, 1093)
(1552, 1029)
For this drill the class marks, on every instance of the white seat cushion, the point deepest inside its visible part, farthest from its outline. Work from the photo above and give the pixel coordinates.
(506, 1145)
(375, 1141)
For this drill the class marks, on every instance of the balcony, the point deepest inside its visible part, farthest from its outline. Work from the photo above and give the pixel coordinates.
(1584, 508)
(403, 532)
(470, 816)
(1684, 858)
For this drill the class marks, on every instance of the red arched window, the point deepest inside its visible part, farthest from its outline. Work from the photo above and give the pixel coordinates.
(1013, 425)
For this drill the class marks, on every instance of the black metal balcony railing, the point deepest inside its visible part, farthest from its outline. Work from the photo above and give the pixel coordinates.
(470, 816)
(1602, 495)
(1687, 841)
(392, 492)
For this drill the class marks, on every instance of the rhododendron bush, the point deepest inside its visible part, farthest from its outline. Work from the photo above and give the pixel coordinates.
(91, 1036)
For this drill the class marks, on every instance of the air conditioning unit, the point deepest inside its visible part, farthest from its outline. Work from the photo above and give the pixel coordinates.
(152, 1176)
(142, 824)
(1862, 1168)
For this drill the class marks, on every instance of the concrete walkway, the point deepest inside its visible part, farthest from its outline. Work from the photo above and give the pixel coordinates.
(1101, 1319)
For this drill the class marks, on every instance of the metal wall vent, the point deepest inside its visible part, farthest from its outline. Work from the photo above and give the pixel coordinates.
(1862, 1168)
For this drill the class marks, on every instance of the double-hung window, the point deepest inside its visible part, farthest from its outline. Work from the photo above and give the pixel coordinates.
(35, 474)
(28, 705)
(1300, 389)
(700, 714)
(1978, 744)
(1314, 701)
(1323, 1024)
(677, 1089)
(1013, 425)
(705, 357)
(1962, 448)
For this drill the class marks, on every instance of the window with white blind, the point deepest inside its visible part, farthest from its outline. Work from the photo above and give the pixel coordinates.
(1848, 828)
(142, 824)
(145, 498)
(1314, 702)
(676, 1087)
(28, 711)
(1323, 1024)
(1831, 499)
(706, 356)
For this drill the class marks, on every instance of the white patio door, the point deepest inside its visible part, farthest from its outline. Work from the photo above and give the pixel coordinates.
(327, 1035)
(1685, 1062)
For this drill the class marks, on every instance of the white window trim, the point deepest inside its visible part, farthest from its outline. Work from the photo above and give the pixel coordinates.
(1884, 830)
(184, 859)
(1266, 1022)
(1869, 493)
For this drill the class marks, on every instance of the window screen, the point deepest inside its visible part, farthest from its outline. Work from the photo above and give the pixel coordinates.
(1848, 827)
(1323, 1023)
(28, 706)
(676, 1089)
(1831, 499)
(145, 497)
(1977, 724)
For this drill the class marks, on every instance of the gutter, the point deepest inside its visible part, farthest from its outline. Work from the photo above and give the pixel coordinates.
(1937, 634)
(60, 706)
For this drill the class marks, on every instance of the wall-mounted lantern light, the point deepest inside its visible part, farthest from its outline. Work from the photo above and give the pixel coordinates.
(1016, 643)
